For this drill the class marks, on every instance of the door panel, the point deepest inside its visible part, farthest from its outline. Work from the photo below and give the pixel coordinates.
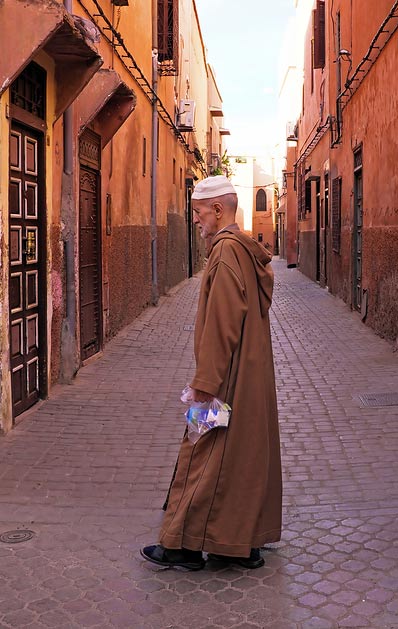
(90, 250)
(27, 309)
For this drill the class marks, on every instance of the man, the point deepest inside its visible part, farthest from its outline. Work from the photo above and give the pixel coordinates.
(225, 498)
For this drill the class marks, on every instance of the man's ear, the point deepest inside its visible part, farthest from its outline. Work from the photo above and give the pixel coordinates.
(218, 208)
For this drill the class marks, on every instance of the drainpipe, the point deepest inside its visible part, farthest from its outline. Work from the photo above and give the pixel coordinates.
(68, 366)
(154, 150)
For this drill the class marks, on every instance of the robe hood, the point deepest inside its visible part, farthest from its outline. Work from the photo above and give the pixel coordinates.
(261, 258)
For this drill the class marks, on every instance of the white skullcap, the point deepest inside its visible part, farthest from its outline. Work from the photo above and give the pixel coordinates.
(212, 187)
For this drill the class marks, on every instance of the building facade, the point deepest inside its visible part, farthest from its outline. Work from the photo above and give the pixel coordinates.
(344, 181)
(104, 123)
(254, 180)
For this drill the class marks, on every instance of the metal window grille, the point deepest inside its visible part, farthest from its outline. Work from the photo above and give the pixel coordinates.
(301, 190)
(168, 36)
(28, 91)
(336, 214)
(358, 158)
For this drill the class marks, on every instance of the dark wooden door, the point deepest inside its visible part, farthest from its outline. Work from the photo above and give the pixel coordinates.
(358, 218)
(27, 258)
(90, 248)
(190, 226)
(318, 239)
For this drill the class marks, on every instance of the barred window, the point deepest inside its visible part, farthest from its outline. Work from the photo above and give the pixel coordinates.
(336, 214)
(301, 191)
(168, 36)
(28, 91)
(261, 201)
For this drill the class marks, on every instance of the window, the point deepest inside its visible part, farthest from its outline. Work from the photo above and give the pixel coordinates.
(260, 238)
(143, 157)
(168, 36)
(312, 62)
(319, 48)
(28, 91)
(326, 199)
(336, 214)
(301, 191)
(308, 192)
(174, 170)
(261, 201)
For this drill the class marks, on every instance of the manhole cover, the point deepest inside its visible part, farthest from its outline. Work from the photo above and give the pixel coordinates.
(379, 399)
(15, 537)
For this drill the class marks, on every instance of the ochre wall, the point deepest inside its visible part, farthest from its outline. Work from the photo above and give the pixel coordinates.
(369, 122)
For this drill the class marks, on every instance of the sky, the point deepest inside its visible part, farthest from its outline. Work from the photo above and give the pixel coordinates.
(243, 41)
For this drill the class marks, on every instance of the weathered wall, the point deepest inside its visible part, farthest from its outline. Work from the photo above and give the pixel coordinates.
(58, 304)
(129, 275)
(370, 122)
(381, 277)
(176, 249)
(307, 254)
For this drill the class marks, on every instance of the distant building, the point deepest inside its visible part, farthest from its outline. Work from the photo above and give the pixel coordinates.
(291, 68)
(254, 181)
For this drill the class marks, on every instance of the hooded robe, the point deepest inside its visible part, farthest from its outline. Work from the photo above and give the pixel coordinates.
(226, 495)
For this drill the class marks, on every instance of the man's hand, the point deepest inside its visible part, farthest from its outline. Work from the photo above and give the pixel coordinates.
(201, 396)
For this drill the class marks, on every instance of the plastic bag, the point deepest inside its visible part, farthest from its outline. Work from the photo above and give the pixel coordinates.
(203, 416)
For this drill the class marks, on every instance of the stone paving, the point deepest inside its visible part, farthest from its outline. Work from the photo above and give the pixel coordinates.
(87, 471)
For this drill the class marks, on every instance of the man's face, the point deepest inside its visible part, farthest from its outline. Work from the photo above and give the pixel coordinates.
(204, 215)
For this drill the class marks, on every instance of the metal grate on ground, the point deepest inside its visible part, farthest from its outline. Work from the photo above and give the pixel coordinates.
(378, 399)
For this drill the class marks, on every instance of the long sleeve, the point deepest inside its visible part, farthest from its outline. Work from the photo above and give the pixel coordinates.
(224, 315)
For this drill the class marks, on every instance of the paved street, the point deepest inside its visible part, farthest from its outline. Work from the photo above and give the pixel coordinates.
(87, 471)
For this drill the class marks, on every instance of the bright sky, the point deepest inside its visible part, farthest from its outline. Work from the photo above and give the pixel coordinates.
(243, 41)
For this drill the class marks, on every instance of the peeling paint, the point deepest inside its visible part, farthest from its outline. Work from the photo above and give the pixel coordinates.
(57, 290)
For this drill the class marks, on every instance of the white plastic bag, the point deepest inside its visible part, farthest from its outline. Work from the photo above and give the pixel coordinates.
(203, 416)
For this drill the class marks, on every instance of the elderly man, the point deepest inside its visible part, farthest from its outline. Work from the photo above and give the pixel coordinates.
(225, 498)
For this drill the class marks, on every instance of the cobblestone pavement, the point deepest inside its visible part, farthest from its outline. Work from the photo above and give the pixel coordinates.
(87, 472)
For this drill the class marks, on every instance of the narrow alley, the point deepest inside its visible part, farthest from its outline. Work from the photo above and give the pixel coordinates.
(87, 471)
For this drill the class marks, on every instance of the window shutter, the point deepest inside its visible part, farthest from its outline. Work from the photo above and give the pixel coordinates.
(319, 35)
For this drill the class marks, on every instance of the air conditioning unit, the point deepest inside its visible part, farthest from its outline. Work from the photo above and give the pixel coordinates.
(186, 115)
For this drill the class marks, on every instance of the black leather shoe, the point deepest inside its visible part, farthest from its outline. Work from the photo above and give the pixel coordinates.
(170, 557)
(254, 561)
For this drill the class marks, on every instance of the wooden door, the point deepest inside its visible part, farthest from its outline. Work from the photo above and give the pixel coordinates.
(357, 233)
(27, 263)
(90, 247)
(190, 226)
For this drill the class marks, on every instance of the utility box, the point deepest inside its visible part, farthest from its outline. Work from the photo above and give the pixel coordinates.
(186, 115)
